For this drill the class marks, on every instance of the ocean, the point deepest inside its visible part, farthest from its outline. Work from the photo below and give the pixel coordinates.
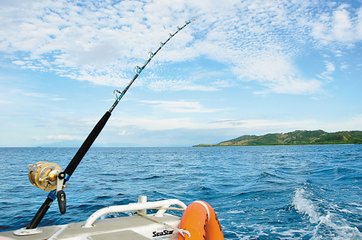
(262, 192)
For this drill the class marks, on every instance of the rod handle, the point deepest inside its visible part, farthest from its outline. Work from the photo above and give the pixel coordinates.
(40, 214)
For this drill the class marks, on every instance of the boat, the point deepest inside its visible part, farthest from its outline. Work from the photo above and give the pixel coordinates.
(140, 224)
(198, 221)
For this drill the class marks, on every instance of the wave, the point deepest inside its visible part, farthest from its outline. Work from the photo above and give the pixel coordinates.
(269, 175)
(305, 206)
(147, 177)
(328, 224)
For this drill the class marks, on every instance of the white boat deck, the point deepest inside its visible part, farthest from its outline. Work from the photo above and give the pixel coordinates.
(140, 226)
(127, 228)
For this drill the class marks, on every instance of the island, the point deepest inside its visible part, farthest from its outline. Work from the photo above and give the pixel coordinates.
(298, 137)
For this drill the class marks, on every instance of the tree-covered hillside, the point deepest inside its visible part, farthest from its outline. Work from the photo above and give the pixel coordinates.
(294, 138)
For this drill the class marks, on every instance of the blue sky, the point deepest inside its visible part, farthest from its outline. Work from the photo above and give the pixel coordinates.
(242, 67)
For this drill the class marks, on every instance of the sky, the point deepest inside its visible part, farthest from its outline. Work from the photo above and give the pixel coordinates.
(240, 68)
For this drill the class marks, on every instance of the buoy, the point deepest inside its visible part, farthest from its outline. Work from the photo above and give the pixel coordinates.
(199, 222)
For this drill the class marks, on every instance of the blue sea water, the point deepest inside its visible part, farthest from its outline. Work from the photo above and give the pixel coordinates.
(268, 192)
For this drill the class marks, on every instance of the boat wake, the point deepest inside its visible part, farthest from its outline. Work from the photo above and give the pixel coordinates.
(326, 222)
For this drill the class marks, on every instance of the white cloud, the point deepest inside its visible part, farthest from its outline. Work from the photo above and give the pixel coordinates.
(346, 124)
(267, 125)
(154, 124)
(180, 85)
(134, 125)
(343, 25)
(329, 70)
(101, 42)
(359, 24)
(33, 94)
(330, 67)
(179, 106)
(296, 86)
(278, 73)
(251, 125)
(64, 137)
(344, 66)
(4, 102)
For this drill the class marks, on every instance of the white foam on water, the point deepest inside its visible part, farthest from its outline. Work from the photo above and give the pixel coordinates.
(290, 234)
(345, 210)
(337, 227)
(236, 211)
(305, 206)
(245, 236)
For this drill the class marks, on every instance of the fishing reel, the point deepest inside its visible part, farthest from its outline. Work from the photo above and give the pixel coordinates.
(48, 176)
(44, 175)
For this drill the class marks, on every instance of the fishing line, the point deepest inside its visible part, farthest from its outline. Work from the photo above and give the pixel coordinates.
(50, 171)
(138, 69)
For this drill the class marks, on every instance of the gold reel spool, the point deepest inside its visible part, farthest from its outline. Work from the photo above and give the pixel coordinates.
(44, 175)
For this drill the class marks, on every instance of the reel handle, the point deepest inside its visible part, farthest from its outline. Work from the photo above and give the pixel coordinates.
(62, 201)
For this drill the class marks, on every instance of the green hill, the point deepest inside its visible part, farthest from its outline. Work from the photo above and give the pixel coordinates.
(298, 137)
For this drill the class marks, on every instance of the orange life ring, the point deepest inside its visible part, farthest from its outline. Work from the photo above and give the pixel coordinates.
(200, 221)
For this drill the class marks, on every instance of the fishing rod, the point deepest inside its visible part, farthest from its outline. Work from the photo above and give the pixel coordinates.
(49, 176)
